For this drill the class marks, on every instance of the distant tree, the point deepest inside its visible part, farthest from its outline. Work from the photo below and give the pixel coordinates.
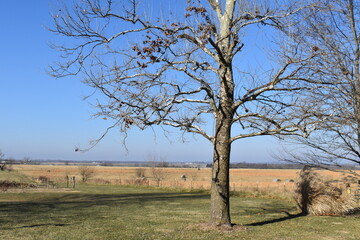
(107, 164)
(158, 174)
(162, 164)
(3, 163)
(27, 160)
(86, 172)
(189, 71)
(332, 28)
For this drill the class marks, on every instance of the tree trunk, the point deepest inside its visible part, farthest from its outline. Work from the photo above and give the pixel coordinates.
(220, 195)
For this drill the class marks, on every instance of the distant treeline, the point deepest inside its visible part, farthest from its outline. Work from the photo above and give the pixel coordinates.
(164, 164)
(266, 165)
(288, 166)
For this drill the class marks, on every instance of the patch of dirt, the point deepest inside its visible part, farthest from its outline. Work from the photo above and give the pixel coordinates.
(212, 227)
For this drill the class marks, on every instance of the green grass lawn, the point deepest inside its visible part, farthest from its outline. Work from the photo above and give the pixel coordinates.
(14, 176)
(120, 212)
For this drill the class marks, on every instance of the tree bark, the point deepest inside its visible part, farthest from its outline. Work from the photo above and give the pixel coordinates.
(220, 195)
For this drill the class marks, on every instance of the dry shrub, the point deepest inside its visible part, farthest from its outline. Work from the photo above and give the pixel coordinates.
(141, 181)
(42, 179)
(140, 172)
(315, 195)
(5, 185)
(86, 173)
(129, 181)
(101, 181)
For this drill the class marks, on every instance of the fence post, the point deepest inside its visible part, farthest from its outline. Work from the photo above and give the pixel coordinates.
(73, 181)
(67, 181)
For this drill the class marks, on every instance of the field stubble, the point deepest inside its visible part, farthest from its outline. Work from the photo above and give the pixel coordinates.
(253, 181)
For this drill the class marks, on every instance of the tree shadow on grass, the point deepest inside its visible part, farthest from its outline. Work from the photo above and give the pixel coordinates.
(83, 200)
(354, 213)
(288, 217)
(37, 225)
(68, 207)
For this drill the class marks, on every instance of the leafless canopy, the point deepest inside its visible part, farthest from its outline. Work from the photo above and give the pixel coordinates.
(153, 71)
(332, 28)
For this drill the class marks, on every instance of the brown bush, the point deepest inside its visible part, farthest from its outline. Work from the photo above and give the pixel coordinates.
(140, 172)
(43, 179)
(5, 185)
(315, 195)
(141, 181)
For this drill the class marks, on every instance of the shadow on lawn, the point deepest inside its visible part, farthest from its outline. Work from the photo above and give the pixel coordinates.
(355, 213)
(288, 217)
(39, 225)
(77, 204)
(123, 200)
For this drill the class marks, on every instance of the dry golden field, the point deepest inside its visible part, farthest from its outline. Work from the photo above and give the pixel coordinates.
(249, 180)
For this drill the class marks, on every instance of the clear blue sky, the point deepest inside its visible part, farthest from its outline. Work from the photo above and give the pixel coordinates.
(46, 118)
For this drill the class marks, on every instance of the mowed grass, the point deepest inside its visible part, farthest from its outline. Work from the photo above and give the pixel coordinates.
(128, 212)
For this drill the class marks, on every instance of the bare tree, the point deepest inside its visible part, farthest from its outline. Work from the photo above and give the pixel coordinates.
(2, 161)
(86, 172)
(27, 160)
(332, 28)
(189, 71)
(158, 173)
(157, 170)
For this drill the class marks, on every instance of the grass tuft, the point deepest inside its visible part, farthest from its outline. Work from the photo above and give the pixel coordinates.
(317, 196)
